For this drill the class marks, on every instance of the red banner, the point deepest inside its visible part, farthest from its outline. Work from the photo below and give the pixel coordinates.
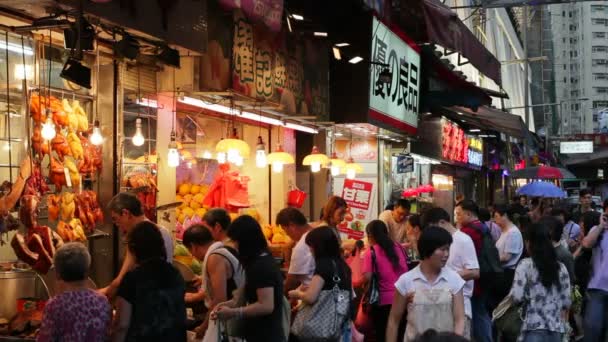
(359, 196)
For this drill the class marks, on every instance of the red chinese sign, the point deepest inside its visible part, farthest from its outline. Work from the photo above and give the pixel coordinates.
(359, 196)
(455, 145)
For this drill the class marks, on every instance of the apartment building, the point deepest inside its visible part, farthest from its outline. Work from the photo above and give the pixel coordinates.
(580, 42)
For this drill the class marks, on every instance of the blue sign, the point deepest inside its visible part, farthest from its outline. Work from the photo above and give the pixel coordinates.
(405, 163)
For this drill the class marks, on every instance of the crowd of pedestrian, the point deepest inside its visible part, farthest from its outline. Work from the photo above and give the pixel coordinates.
(529, 271)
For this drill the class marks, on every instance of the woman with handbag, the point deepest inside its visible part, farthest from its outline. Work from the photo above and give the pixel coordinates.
(263, 315)
(383, 264)
(542, 285)
(431, 292)
(326, 303)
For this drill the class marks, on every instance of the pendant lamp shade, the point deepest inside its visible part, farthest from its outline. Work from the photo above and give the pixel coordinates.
(336, 164)
(279, 158)
(315, 160)
(352, 168)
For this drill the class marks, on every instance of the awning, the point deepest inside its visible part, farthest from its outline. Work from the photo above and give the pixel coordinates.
(490, 118)
(443, 27)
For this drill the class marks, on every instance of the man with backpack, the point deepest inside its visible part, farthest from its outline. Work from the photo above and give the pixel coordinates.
(596, 313)
(466, 216)
(222, 272)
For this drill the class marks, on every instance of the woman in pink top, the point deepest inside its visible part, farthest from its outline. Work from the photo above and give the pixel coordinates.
(390, 264)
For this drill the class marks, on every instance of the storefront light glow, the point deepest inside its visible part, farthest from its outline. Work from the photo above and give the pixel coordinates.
(23, 72)
(96, 137)
(207, 155)
(138, 138)
(48, 128)
(244, 114)
(238, 161)
(12, 47)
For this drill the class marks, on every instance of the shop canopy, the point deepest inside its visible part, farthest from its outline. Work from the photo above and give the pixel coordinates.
(440, 25)
(490, 118)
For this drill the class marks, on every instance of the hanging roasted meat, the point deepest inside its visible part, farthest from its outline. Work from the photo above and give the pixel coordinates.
(40, 146)
(75, 145)
(60, 145)
(53, 202)
(57, 174)
(38, 245)
(36, 185)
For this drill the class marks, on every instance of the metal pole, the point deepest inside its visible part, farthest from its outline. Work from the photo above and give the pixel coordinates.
(526, 84)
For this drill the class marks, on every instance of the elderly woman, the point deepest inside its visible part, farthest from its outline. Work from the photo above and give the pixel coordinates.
(76, 313)
(150, 301)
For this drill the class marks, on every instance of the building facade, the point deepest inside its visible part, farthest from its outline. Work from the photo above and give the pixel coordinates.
(580, 40)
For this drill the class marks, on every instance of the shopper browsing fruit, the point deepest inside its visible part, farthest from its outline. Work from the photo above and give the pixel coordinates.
(222, 272)
(302, 264)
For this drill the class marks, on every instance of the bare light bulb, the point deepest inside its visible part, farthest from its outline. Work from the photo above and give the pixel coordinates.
(315, 167)
(48, 129)
(277, 167)
(221, 157)
(96, 138)
(233, 156)
(351, 173)
(207, 155)
(335, 171)
(138, 138)
(260, 159)
(260, 154)
(173, 157)
(238, 161)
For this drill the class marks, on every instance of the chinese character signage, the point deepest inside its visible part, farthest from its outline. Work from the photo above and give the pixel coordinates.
(458, 147)
(475, 152)
(454, 144)
(405, 164)
(359, 196)
(292, 72)
(393, 96)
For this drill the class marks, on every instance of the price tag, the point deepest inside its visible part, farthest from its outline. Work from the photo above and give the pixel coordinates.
(68, 180)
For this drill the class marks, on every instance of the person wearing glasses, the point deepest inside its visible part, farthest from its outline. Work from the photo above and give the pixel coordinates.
(126, 212)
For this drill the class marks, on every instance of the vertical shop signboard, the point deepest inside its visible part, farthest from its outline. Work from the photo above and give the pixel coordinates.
(394, 80)
(359, 197)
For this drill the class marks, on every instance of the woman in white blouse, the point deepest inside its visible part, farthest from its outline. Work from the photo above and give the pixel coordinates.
(431, 292)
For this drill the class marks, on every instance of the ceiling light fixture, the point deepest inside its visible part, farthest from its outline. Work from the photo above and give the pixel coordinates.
(320, 34)
(261, 160)
(315, 160)
(351, 168)
(77, 73)
(336, 164)
(279, 158)
(297, 16)
(169, 56)
(337, 54)
(342, 44)
(96, 138)
(355, 60)
(474, 130)
(245, 115)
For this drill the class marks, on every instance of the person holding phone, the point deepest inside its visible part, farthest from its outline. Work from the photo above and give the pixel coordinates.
(596, 313)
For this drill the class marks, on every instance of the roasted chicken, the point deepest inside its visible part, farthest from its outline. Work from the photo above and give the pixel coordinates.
(60, 145)
(75, 145)
(53, 202)
(68, 206)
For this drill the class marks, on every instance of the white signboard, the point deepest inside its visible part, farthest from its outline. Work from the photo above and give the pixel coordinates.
(393, 101)
(572, 147)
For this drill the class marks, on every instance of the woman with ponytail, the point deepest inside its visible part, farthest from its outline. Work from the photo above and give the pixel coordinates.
(542, 285)
(386, 260)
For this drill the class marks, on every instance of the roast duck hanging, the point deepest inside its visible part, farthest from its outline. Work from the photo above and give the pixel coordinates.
(37, 247)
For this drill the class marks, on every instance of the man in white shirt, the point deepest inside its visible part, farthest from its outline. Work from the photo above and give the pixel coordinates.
(396, 220)
(302, 264)
(462, 259)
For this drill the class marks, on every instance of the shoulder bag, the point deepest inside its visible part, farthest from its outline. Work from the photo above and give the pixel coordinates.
(324, 319)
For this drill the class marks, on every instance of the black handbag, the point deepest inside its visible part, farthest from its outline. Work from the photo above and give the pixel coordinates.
(371, 296)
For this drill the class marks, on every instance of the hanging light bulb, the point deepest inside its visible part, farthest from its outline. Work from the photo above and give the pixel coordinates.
(239, 161)
(221, 157)
(233, 156)
(173, 155)
(207, 155)
(96, 137)
(336, 164)
(260, 154)
(48, 128)
(279, 158)
(315, 159)
(138, 138)
(352, 168)
(277, 167)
